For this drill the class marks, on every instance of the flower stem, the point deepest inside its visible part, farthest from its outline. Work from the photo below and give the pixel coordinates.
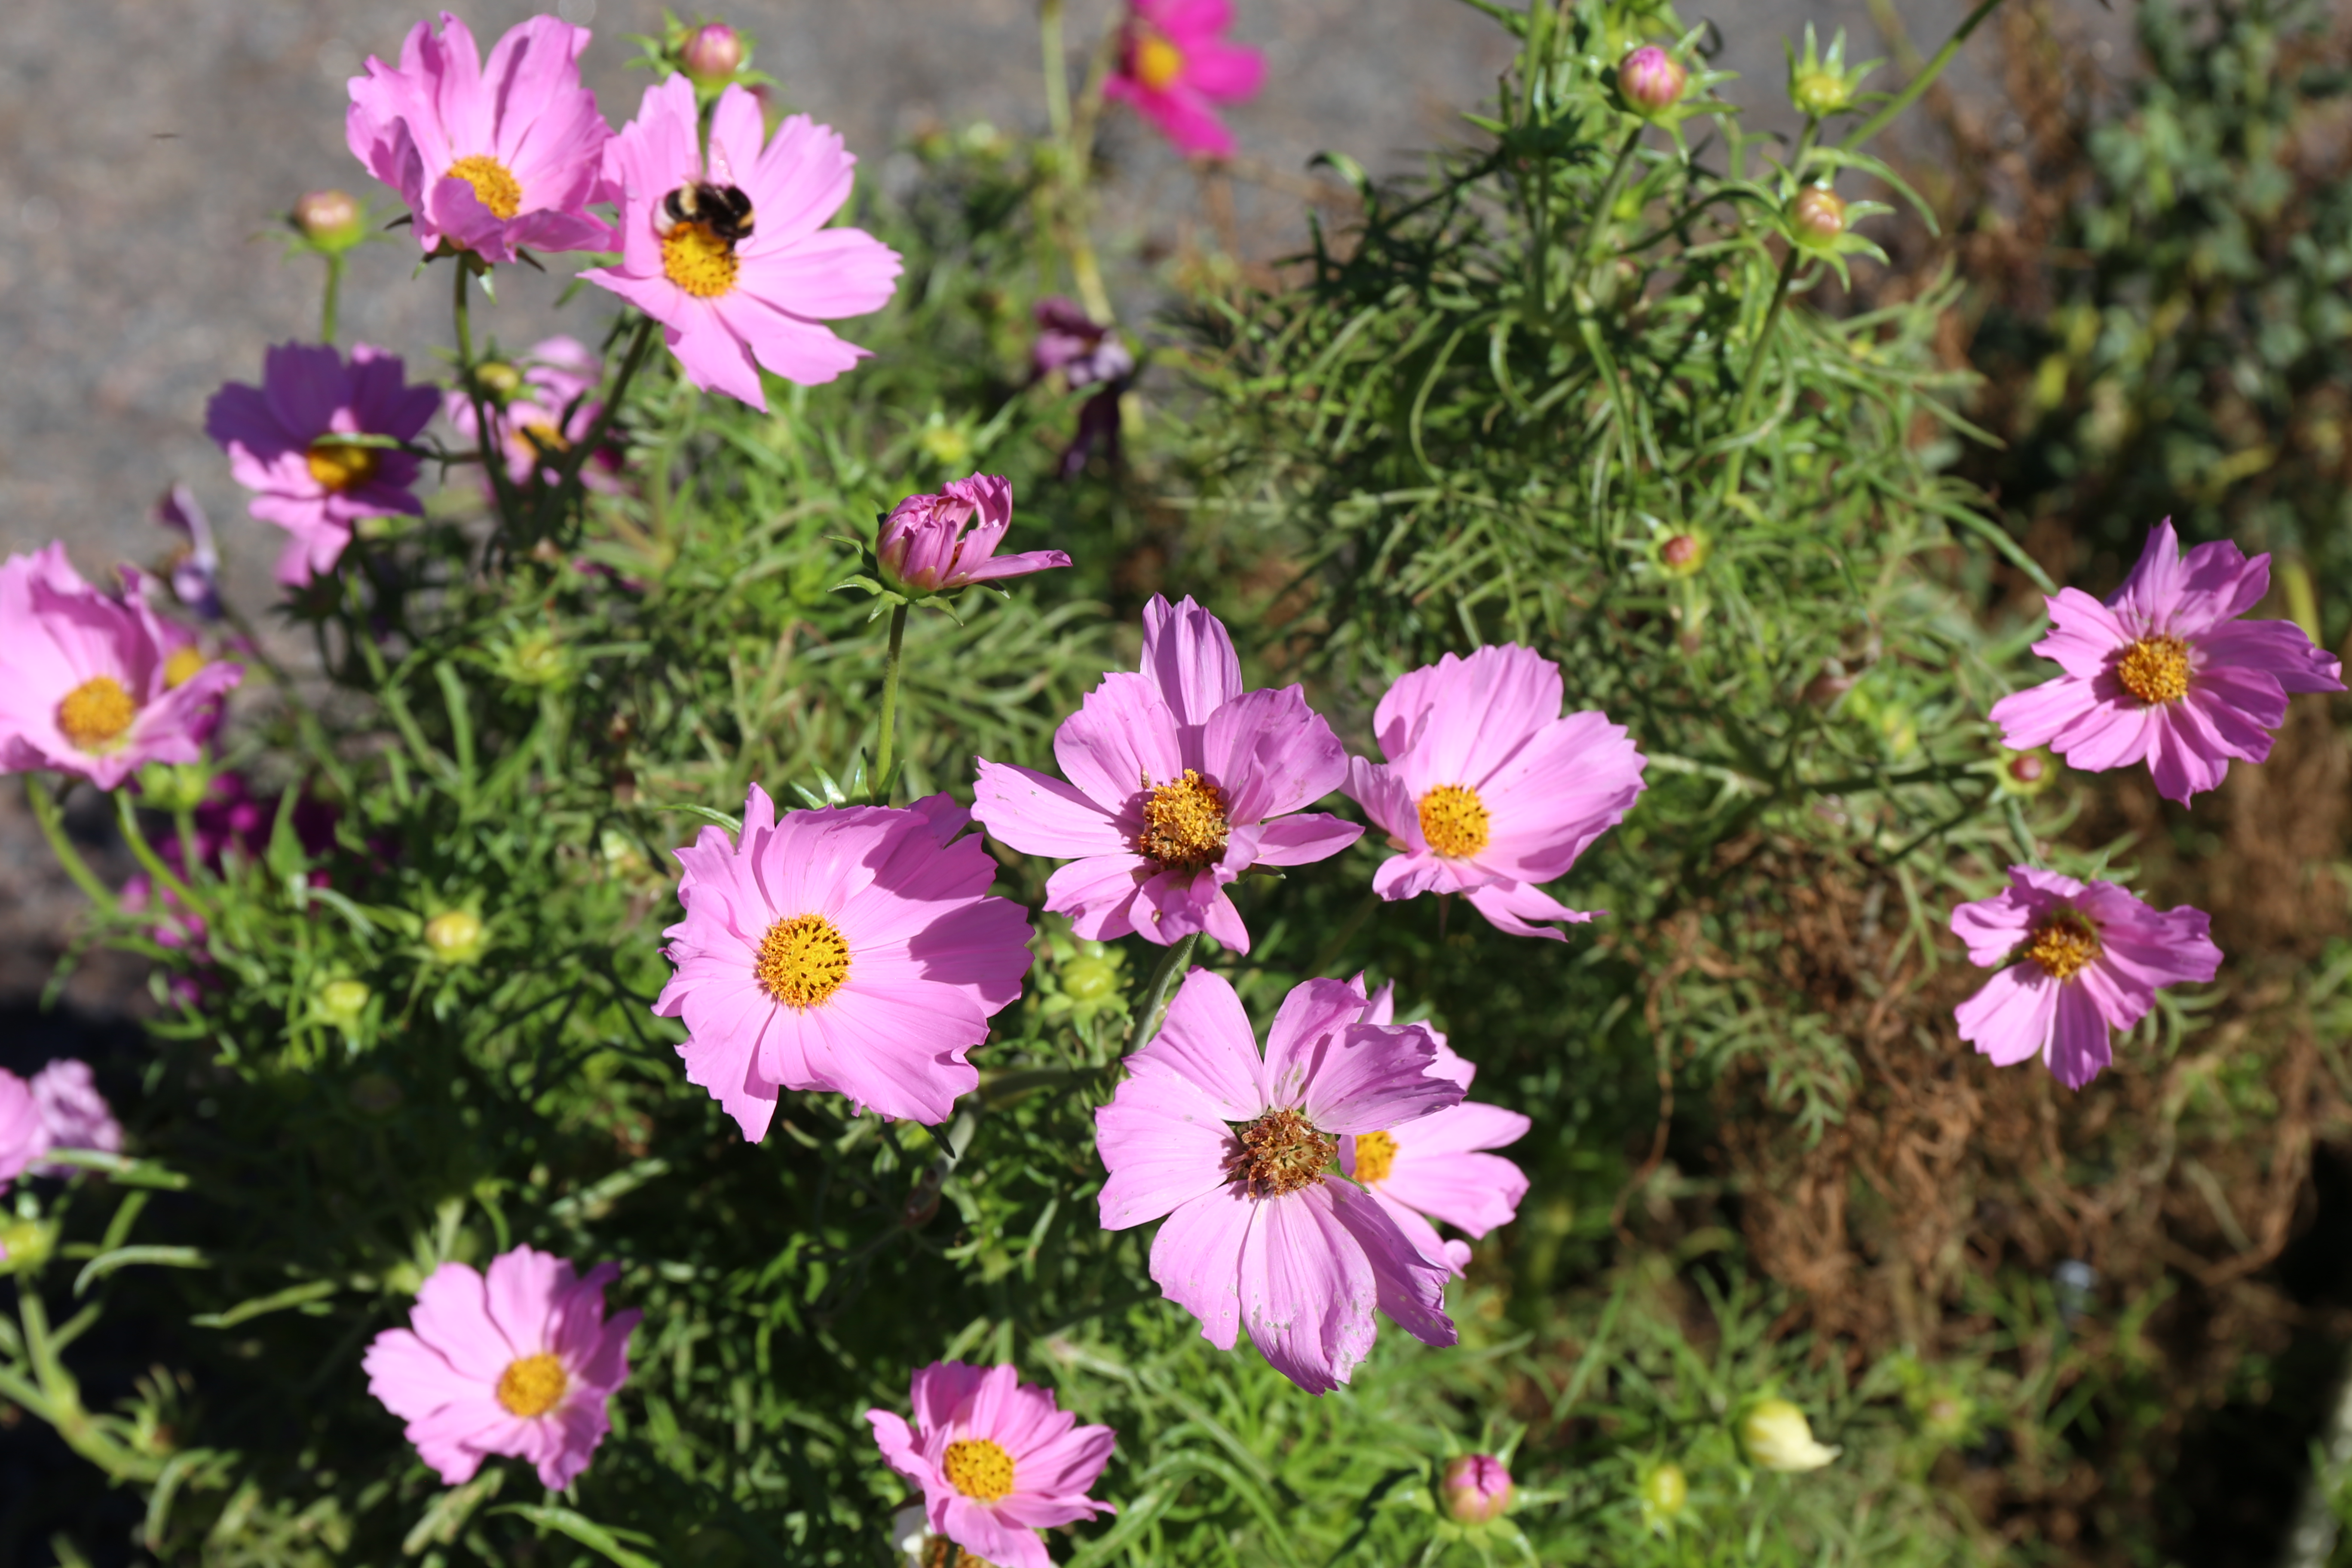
(879, 785)
(52, 818)
(144, 853)
(461, 317)
(1058, 78)
(334, 293)
(567, 471)
(1925, 80)
(1602, 209)
(1155, 990)
(1756, 372)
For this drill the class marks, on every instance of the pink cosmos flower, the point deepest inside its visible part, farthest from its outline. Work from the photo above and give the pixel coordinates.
(2164, 670)
(282, 442)
(73, 1114)
(22, 1137)
(546, 411)
(1435, 1168)
(519, 1363)
(2081, 958)
(1487, 790)
(850, 949)
(731, 255)
(997, 1462)
(925, 546)
(95, 686)
(1086, 352)
(1174, 68)
(1179, 782)
(489, 157)
(1236, 1149)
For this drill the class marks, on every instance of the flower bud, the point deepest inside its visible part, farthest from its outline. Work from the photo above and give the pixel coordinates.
(1819, 215)
(1821, 93)
(1682, 555)
(1664, 1491)
(1651, 80)
(1475, 1488)
(712, 55)
(340, 1002)
(455, 936)
(1778, 1438)
(1089, 978)
(2027, 772)
(331, 220)
(26, 1244)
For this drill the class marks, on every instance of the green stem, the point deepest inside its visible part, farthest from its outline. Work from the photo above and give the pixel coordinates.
(567, 471)
(1072, 209)
(334, 291)
(1155, 990)
(144, 853)
(1057, 70)
(1602, 209)
(1923, 80)
(1756, 371)
(884, 745)
(52, 818)
(461, 317)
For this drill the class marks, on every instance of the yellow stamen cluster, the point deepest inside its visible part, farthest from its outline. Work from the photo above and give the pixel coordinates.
(698, 260)
(532, 1385)
(2155, 669)
(1184, 823)
(1280, 1153)
(95, 715)
(338, 465)
(1375, 1152)
(1157, 62)
(803, 961)
(1454, 821)
(181, 667)
(979, 1468)
(2063, 944)
(541, 438)
(495, 186)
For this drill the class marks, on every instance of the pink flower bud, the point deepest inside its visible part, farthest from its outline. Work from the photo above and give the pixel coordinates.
(1475, 1488)
(713, 53)
(328, 218)
(1651, 80)
(1819, 215)
(1682, 550)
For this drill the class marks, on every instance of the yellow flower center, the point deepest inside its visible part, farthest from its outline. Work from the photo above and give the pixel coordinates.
(1454, 820)
(1158, 62)
(698, 260)
(95, 715)
(494, 186)
(2155, 669)
(531, 1385)
(1184, 823)
(938, 1551)
(803, 961)
(181, 667)
(1375, 1152)
(2063, 944)
(338, 465)
(1281, 1152)
(978, 1468)
(541, 438)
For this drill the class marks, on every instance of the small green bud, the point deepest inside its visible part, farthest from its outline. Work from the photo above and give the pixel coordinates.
(333, 221)
(1821, 94)
(1777, 1437)
(26, 1245)
(340, 1002)
(455, 936)
(175, 786)
(1682, 555)
(1664, 1493)
(1818, 216)
(2027, 772)
(712, 55)
(1089, 979)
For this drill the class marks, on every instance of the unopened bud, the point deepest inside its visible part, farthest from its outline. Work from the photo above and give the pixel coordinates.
(455, 936)
(713, 54)
(26, 1244)
(1664, 1491)
(1682, 555)
(1821, 94)
(1819, 215)
(1475, 1488)
(1089, 979)
(2027, 772)
(1651, 80)
(1778, 1438)
(342, 1002)
(329, 219)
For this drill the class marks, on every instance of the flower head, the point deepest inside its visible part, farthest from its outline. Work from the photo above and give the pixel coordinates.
(1174, 68)
(23, 1139)
(712, 54)
(521, 1363)
(1435, 1168)
(1236, 1149)
(544, 408)
(996, 1460)
(1179, 782)
(2075, 959)
(89, 684)
(284, 442)
(731, 252)
(852, 949)
(1651, 80)
(329, 219)
(493, 155)
(1487, 790)
(1777, 1437)
(73, 1114)
(938, 543)
(195, 566)
(1069, 341)
(2166, 671)
(1474, 1490)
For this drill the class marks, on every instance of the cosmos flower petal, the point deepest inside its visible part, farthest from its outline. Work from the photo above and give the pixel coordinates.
(2279, 649)
(2079, 1044)
(1307, 1289)
(2009, 1020)
(1100, 894)
(1196, 1260)
(1206, 1041)
(1189, 660)
(1409, 1283)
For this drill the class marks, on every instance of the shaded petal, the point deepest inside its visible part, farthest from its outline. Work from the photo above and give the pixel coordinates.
(2079, 1046)
(2009, 1019)
(1196, 1260)
(1409, 1283)
(1309, 1289)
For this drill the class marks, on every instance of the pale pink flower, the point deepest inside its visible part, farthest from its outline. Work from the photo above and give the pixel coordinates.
(1487, 790)
(23, 1139)
(938, 543)
(491, 157)
(731, 254)
(74, 1115)
(2076, 959)
(1436, 1167)
(282, 440)
(548, 411)
(2165, 670)
(852, 949)
(1179, 782)
(89, 684)
(998, 1463)
(1237, 1149)
(1175, 68)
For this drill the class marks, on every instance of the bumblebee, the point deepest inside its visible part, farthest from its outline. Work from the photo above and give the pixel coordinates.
(724, 210)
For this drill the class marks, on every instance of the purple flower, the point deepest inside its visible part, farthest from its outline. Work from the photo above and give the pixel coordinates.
(1084, 350)
(546, 410)
(2165, 670)
(2076, 959)
(195, 569)
(1236, 1150)
(1179, 782)
(23, 1139)
(925, 545)
(74, 1115)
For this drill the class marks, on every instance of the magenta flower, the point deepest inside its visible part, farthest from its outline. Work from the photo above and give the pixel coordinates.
(925, 547)
(1475, 1488)
(997, 1462)
(1238, 1151)
(1175, 69)
(489, 157)
(23, 1139)
(2080, 958)
(1084, 350)
(282, 439)
(1487, 790)
(1436, 1167)
(73, 1114)
(195, 565)
(547, 411)
(731, 255)
(2165, 670)
(519, 1363)
(850, 949)
(92, 685)
(1179, 782)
